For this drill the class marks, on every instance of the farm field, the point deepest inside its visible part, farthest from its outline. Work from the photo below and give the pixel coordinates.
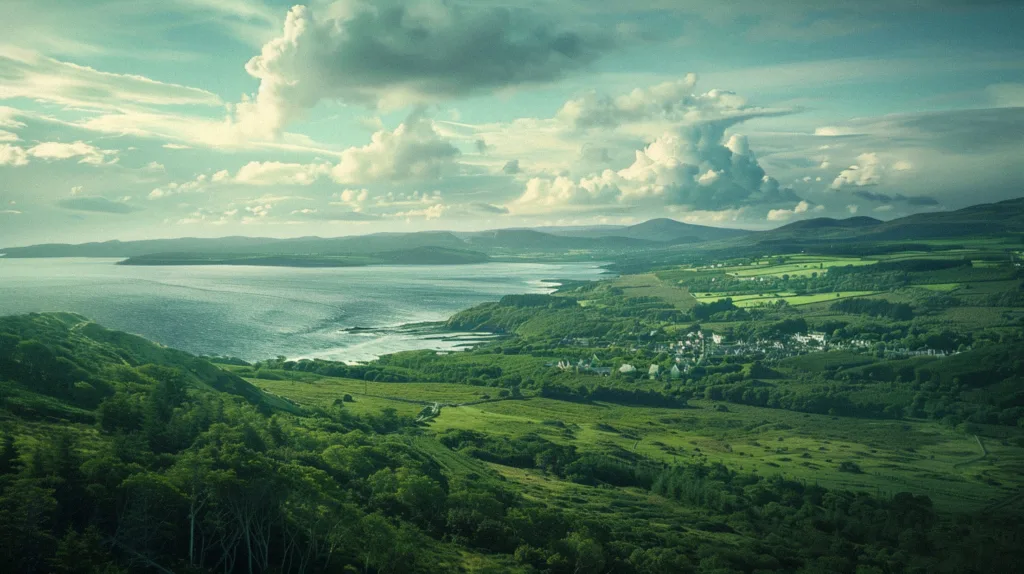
(893, 455)
(767, 298)
(649, 285)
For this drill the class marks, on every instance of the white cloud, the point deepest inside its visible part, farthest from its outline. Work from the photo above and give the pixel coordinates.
(835, 131)
(414, 150)
(28, 74)
(694, 166)
(435, 211)
(277, 173)
(354, 198)
(6, 136)
(88, 153)
(867, 171)
(562, 193)
(787, 214)
(12, 155)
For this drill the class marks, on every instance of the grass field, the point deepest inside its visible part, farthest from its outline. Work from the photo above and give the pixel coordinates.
(895, 456)
(370, 396)
(766, 298)
(922, 457)
(649, 285)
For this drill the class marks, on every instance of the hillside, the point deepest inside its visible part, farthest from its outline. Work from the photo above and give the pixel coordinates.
(62, 365)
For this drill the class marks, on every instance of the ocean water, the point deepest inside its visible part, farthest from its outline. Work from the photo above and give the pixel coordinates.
(345, 314)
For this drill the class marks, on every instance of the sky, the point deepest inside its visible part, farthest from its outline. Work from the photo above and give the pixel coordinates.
(135, 119)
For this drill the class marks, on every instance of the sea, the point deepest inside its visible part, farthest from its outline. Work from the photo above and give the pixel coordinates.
(349, 314)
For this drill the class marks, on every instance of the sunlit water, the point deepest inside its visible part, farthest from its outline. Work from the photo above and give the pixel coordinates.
(261, 312)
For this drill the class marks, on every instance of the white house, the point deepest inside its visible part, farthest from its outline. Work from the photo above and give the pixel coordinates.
(627, 368)
(653, 371)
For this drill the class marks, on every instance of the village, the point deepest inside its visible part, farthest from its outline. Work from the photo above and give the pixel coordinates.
(698, 348)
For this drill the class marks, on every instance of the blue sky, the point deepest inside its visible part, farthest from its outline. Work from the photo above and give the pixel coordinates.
(137, 119)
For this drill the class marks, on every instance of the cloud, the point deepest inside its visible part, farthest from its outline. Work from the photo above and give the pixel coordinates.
(175, 146)
(414, 150)
(787, 214)
(333, 215)
(12, 155)
(488, 208)
(6, 136)
(693, 165)
(431, 212)
(197, 185)
(668, 102)
(96, 204)
(667, 99)
(562, 193)
(28, 74)
(1006, 95)
(354, 198)
(277, 173)
(386, 53)
(835, 131)
(921, 201)
(511, 167)
(89, 154)
(868, 171)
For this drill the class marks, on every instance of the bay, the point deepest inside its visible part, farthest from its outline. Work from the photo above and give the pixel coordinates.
(345, 314)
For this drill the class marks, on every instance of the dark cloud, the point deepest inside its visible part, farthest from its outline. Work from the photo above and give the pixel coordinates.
(920, 200)
(511, 167)
(385, 51)
(96, 204)
(481, 147)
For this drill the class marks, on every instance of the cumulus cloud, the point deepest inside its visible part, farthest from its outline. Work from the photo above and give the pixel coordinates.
(414, 150)
(693, 166)
(197, 185)
(388, 52)
(787, 214)
(868, 171)
(563, 193)
(672, 102)
(12, 155)
(89, 154)
(435, 211)
(278, 173)
(53, 151)
(96, 204)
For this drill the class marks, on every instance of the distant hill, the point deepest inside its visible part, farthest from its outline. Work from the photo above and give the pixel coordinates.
(657, 240)
(442, 246)
(658, 230)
